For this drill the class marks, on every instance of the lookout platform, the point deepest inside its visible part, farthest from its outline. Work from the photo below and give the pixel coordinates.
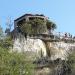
(52, 38)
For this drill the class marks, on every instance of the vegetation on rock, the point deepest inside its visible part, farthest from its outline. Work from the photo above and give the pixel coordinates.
(13, 63)
(36, 26)
(50, 25)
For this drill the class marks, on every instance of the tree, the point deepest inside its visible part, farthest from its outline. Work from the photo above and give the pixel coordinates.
(9, 25)
(1, 33)
(50, 25)
(38, 26)
(71, 60)
(15, 63)
(35, 26)
(25, 28)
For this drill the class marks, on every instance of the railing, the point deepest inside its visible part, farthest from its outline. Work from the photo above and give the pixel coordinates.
(48, 37)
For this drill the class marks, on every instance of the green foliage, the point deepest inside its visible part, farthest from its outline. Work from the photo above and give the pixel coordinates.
(35, 26)
(7, 42)
(51, 25)
(26, 28)
(1, 33)
(68, 66)
(38, 26)
(14, 63)
(71, 60)
(7, 31)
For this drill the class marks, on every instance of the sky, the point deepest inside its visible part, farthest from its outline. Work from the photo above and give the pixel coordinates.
(61, 12)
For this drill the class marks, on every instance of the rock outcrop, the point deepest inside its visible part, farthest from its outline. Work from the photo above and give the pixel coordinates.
(37, 46)
(22, 44)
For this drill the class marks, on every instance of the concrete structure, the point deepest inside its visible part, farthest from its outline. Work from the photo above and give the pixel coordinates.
(26, 18)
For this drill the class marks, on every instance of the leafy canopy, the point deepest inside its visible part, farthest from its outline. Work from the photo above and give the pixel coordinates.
(36, 26)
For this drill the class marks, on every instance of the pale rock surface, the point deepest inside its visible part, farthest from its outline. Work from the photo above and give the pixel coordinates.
(58, 49)
(61, 50)
(34, 45)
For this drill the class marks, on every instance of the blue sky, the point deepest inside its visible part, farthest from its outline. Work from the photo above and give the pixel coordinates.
(62, 12)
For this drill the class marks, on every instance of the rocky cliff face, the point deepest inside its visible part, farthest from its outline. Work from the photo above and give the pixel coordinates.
(60, 49)
(37, 46)
(21, 44)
